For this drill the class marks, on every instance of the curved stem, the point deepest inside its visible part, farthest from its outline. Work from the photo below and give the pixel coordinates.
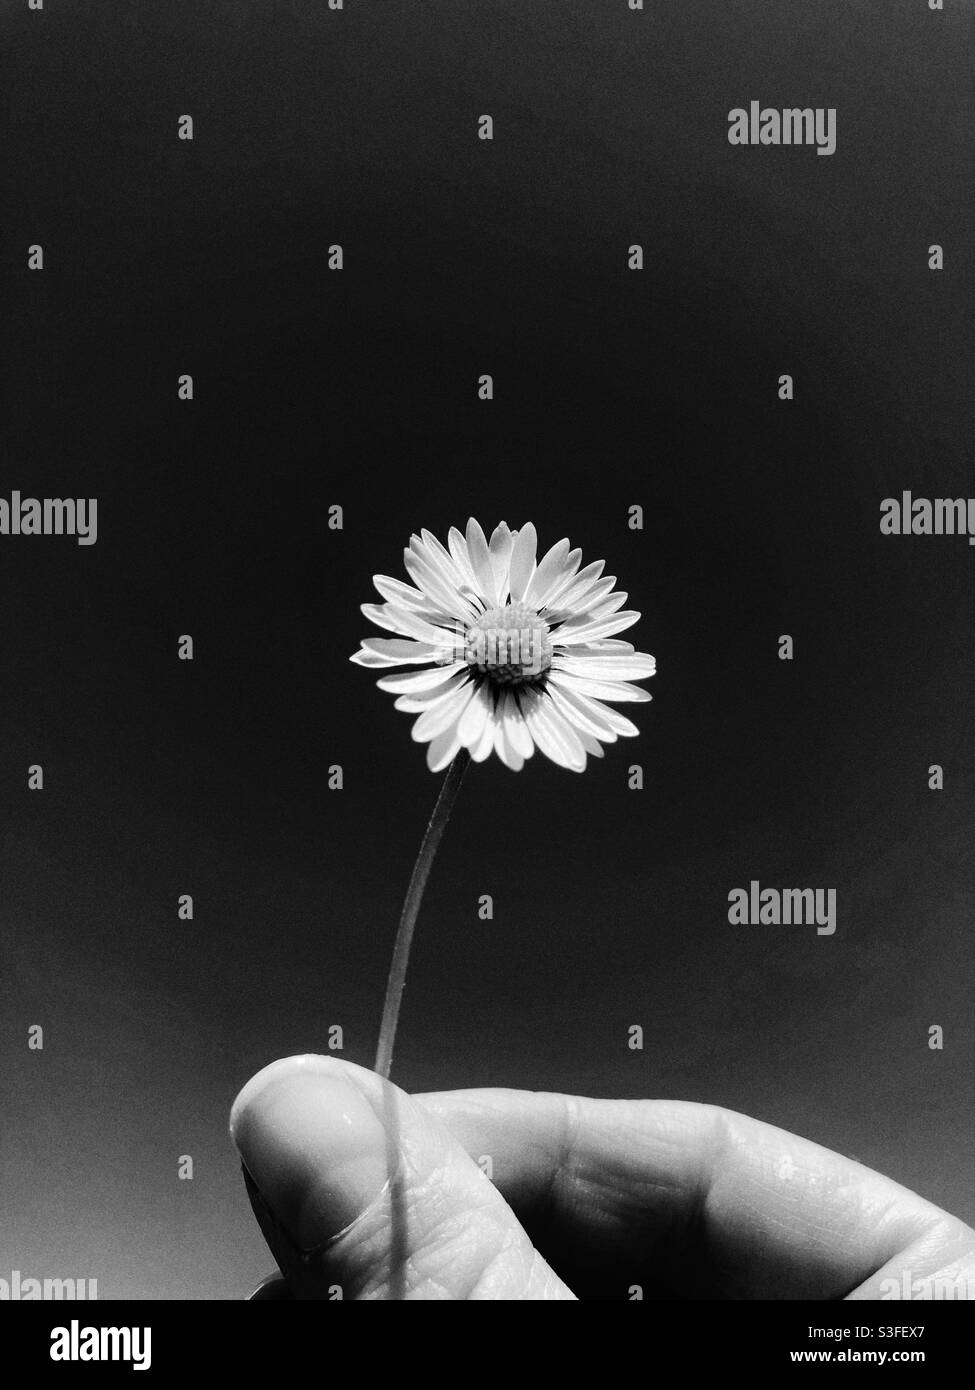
(411, 906)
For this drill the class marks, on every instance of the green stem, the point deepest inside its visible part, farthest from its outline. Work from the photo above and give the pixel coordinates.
(411, 906)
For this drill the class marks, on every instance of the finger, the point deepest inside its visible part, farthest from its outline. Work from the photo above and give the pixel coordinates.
(363, 1195)
(711, 1202)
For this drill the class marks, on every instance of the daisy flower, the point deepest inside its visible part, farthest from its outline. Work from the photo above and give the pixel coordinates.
(507, 653)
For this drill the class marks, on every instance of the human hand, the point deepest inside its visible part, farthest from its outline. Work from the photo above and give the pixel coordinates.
(676, 1199)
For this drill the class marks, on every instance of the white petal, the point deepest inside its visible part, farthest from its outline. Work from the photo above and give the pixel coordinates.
(443, 713)
(581, 712)
(565, 580)
(592, 745)
(616, 721)
(371, 659)
(578, 661)
(584, 587)
(579, 606)
(556, 739)
(407, 624)
(444, 594)
(566, 732)
(419, 700)
(405, 596)
(501, 545)
(383, 615)
(605, 690)
(516, 734)
(402, 595)
(440, 557)
(443, 750)
(570, 633)
(605, 607)
(407, 682)
(475, 716)
(506, 712)
(459, 555)
(485, 746)
(398, 592)
(545, 578)
(401, 651)
(480, 557)
(581, 585)
(522, 561)
(505, 751)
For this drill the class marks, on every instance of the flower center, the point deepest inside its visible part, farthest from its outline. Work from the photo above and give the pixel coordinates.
(509, 645)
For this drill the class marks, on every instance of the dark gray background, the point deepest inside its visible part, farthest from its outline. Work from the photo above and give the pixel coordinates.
(613, 388)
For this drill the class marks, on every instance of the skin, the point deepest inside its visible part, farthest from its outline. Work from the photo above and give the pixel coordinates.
(587, 1199)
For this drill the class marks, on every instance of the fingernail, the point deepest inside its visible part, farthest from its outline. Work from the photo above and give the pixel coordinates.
(272, 1289)
(312, 1145)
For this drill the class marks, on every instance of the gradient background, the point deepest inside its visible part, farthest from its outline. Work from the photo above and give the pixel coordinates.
(612, 388)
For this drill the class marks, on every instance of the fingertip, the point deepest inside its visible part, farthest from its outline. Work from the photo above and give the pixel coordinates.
(273, 1288)
(302, 1064)
(312, 1144)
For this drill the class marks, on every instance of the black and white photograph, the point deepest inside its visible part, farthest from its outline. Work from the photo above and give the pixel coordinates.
(487, 554)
